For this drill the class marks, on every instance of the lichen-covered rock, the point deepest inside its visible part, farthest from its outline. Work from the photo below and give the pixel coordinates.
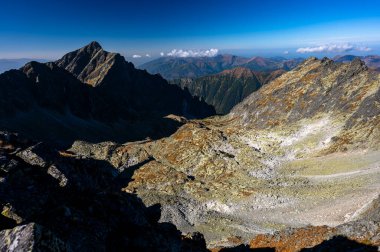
(76, 203)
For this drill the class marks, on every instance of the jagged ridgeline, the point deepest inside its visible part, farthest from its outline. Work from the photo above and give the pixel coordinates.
(94, 95)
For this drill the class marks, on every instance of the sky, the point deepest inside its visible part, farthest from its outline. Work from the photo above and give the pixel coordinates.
(142, 29)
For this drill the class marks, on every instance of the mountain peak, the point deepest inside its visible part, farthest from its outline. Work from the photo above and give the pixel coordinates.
(93, 46)
(89, 64)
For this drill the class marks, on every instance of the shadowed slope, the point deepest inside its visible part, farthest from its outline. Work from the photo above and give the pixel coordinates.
(92, 95)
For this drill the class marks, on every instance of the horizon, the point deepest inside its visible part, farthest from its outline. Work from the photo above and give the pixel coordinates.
(138, 61)
(147, 30)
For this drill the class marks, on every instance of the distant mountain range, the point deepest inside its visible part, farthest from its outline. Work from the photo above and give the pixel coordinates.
(226, 89)
(93, 95)
(372, 61)
(175, 68)
(8, 64)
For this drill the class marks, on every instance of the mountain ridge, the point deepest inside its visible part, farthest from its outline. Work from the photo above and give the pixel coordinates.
(99, 82)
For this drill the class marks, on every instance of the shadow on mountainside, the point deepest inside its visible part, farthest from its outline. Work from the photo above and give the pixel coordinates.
(78, 201)
(85, 97)
(64, 129)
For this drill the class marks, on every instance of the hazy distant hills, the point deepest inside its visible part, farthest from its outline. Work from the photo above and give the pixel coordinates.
(372, 61)
(191, 67)
(226, 89)
(271, 64)
(223, 80)
(94, 95)
(175, 68)
(8, 64)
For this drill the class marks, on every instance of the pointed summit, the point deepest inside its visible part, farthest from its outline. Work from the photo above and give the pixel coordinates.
(89, 63)
(94, 46)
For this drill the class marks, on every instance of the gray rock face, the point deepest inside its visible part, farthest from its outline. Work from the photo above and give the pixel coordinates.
(30, 237)
(30, 157)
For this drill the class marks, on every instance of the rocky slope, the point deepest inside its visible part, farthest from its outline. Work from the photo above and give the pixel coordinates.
(226, 89)
(303, 150)
(93, 95)
(176, 68)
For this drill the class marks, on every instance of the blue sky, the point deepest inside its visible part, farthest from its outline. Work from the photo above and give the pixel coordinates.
(48, 29)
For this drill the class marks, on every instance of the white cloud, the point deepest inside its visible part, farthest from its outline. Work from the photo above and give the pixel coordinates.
(190, 53)
(147, 55)
(286, 52)
(136, 56)
(364, 49)
(333, 48)
(162, 54)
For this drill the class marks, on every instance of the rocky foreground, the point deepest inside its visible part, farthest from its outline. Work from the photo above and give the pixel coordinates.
(56, 201)
(295, 166)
